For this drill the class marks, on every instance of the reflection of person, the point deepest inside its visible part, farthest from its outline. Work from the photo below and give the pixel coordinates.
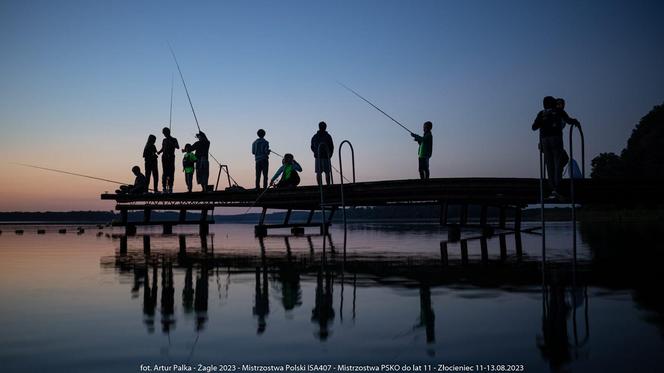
(201, 298)
(261, 151)
(322, 147)
(323, 311)
(167, 297)
(188, 291)
(151, 167)
(149, 298)
(167, 151)
(262, 300)
(202, 149)
(289, 168)
(427, 317)
(424, 150)
(554, 340)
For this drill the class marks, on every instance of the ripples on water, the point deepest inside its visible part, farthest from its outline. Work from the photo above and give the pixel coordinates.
(103, 302)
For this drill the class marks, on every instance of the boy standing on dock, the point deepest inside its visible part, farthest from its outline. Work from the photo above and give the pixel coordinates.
(189, 164)
(261, 151)
(168, 146)
(322, 142)
(425, 149)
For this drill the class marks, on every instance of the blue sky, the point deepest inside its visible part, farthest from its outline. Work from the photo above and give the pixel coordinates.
(85, 82)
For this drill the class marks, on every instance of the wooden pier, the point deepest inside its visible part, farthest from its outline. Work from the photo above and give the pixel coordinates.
(502, 194)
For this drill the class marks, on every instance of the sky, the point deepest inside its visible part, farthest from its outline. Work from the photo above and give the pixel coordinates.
(85, 82)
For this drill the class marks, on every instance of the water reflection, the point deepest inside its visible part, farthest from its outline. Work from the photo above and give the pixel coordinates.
(485, 267)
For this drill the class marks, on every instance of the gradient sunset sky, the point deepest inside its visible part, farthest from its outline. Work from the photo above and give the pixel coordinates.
(85, 82)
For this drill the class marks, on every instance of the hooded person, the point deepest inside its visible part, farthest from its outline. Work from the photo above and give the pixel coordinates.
(289, 173)
(201, 149)
(550, 122)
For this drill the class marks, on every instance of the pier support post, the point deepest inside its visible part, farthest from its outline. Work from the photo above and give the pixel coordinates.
(453, 233)
(130, 229)
(444, 260)
(444, 207)
(183, 216)
(464, 252)
(183, 244)
(204, 229)
(517, 219)
(123, 245)
(463, 214)
(517, 243)
(288, 215)
(483, 213)
(501, 217)
(503, 247)
(484, 250)
(146, 244)
(146, 215)
(168, 228)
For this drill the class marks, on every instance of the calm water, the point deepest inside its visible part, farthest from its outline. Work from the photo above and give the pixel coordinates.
(100, 302)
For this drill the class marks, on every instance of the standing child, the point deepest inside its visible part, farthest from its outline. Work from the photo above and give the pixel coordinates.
(425, 149)
(188, 165)
(261, 150)
(289, 168)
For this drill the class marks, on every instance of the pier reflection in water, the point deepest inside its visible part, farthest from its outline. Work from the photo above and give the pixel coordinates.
(401, 294)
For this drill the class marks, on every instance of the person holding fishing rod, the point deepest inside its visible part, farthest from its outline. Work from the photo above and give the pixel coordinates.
(261, 151)
(168, 146)
(140, 183)
(289, 173)
(322, 147)
(202, 148)
(151, 167)
(425, 149)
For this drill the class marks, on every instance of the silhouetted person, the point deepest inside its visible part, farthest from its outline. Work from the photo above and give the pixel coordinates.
(289, 173)
(322, 147)
(323, 311)
(188, 166)
(261, 151)
(140, 183)
(151, 167)
(550, 122)
(262, 300)
(424, 150)
(202, 148)
(167, 151)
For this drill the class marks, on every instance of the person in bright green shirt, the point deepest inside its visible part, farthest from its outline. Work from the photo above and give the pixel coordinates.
(188, 165)
(425, 149)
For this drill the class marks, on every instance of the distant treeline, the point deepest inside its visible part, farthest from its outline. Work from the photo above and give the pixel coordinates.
(415, 212)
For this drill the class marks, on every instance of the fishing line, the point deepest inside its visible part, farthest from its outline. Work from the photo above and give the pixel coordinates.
(375, 107)
(68, 173)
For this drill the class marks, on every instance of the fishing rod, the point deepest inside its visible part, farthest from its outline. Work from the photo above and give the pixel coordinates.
(375, 107)
(189, 98)
(335, 169)
(170, 115)
(185, 87)
(259, 197)
(69, 173)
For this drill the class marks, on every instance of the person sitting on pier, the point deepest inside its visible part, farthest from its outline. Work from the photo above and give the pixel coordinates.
(202, 148)
(151, 167)
(322, 141)
(550, 122)
(188, 165)
(140, 184)
(425, 149)
(168, 146)
(261, 151)
(289, 168)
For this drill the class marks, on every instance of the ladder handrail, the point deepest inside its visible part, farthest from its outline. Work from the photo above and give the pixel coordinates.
(341, 172)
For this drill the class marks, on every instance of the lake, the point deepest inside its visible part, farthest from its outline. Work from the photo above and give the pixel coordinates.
(398, 294)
